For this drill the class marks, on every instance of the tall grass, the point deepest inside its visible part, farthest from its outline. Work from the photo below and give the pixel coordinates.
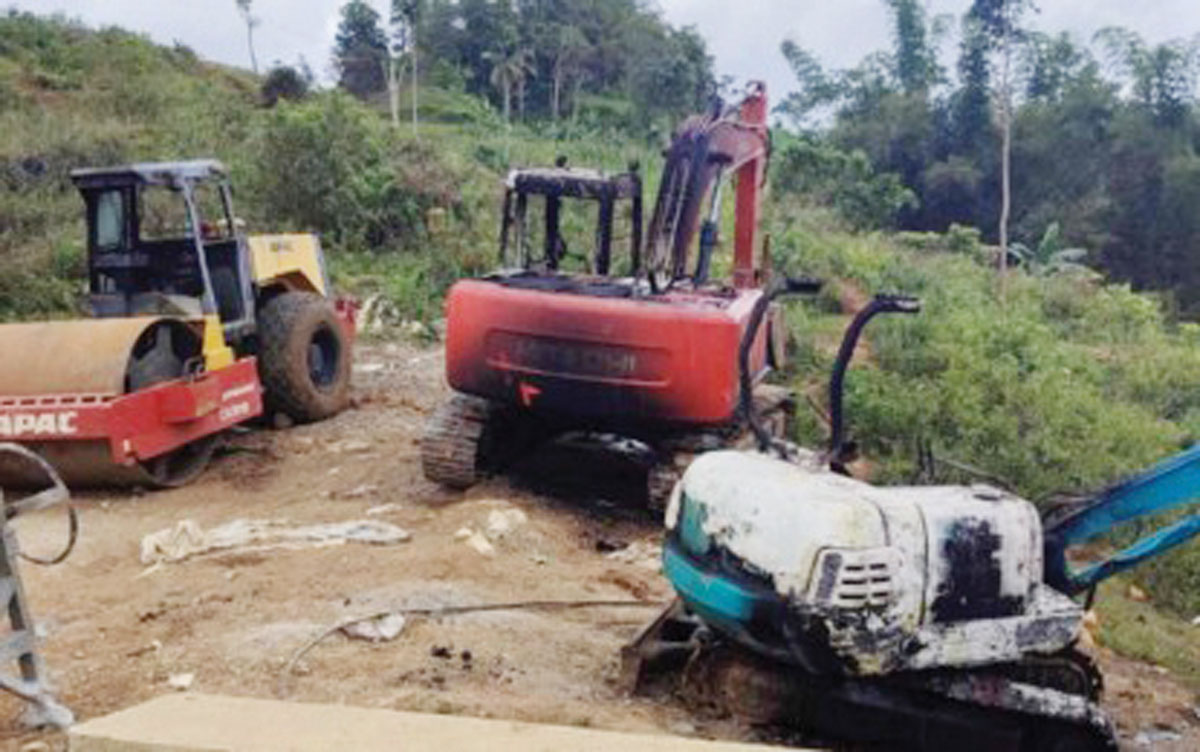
(1061, 387)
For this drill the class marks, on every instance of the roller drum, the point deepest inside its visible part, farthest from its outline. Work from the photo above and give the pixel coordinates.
(104, 358)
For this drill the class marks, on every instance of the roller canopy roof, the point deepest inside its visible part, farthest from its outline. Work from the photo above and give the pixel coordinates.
(150, 173)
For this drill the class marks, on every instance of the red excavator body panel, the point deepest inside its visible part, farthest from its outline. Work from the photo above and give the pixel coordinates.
(617, 360)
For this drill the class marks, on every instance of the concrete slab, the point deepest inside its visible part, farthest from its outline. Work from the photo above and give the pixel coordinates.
(212, 723)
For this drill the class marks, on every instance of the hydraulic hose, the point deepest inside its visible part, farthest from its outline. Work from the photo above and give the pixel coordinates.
(781, 286)
(838, 445)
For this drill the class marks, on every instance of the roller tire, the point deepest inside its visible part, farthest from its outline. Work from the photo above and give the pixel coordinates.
(294, 329)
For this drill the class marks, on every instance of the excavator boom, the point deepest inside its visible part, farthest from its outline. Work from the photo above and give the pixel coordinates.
(733, 141)
(1169, 485)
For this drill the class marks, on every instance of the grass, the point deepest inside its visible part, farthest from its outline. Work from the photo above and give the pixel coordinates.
(1145, 633)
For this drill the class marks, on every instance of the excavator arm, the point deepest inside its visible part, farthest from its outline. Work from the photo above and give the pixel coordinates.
(704, 150)
(1169, 485)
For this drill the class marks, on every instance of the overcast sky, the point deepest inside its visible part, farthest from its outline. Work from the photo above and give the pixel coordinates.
(744, 35)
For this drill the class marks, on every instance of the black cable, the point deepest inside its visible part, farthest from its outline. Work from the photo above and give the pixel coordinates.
(72, 538)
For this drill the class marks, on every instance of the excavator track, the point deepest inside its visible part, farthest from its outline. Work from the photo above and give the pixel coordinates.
(454, 447)
(1042, 704)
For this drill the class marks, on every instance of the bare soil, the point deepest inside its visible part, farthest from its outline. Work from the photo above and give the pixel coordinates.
(116, 632)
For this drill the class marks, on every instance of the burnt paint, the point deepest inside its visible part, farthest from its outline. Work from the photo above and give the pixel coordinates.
(689, 346)
(774, 629)
(972, 589)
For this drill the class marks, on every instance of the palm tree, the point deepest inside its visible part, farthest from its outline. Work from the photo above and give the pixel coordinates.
(251, 23)
(571, 49)
(509, 72)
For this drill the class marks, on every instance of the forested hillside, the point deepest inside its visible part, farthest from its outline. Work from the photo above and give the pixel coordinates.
(613, 63)
(1104, 137)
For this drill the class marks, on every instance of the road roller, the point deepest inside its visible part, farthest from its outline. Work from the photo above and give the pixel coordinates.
(194, 327)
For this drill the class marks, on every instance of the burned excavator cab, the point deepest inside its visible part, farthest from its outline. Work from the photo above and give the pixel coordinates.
(162, 240)
(646, 352)
(552, 186)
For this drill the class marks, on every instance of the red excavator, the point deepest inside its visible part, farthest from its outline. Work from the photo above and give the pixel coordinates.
(533, 352)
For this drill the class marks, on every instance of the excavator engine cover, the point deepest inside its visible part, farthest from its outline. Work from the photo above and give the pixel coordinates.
(859, 579)
(669, 357)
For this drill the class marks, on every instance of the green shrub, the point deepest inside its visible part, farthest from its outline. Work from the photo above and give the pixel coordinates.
(1064, 386)
(329, 165)
(1002, 386)
(844, 180)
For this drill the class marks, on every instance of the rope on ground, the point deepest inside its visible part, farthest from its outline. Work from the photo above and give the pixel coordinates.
(72, 538)
(433, 613)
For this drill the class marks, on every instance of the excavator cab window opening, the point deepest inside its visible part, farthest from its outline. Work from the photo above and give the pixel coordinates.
(710, 230)
(580, 209)
(562, 228)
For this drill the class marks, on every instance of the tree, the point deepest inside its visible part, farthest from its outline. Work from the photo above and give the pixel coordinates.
(998, 21)
(361, 50)
(286, 82)
(244, 7)
(1048, 64)
(406, 19)
(1162, 78)
(509, 71)
(571, 49)
(817, 90)
(972, 102)
(915, 63)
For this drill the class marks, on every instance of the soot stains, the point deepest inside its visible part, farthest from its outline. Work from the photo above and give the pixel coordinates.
(972, 588)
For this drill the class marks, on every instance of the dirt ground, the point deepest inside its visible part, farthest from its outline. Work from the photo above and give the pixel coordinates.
(116, 631)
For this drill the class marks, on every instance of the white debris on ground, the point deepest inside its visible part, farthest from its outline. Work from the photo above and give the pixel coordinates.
(187, 539)
(350, 446)
(366, 369)
(384, 509)
(502, 522)
(382, 629)
(376, 314)
(181, 682)
(643, 553)
(359, 492)
(1152, 736)
(475, 540)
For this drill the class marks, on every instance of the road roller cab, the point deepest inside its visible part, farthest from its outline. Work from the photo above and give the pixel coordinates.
(196, 327)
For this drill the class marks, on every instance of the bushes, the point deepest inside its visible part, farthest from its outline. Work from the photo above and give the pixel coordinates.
(1067, 387)
(331, 165)
(1044, 402)
(843, 180)
(285, 82)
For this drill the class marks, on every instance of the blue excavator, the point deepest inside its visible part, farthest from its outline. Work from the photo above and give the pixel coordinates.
(925, 617)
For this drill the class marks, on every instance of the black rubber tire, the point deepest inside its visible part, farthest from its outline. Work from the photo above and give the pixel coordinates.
(162, 354)
(290, 327)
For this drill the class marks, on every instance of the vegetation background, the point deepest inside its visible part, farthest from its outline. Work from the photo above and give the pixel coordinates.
(1061, 375)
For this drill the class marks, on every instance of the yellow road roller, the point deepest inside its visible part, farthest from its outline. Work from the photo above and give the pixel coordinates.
(195, 327)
